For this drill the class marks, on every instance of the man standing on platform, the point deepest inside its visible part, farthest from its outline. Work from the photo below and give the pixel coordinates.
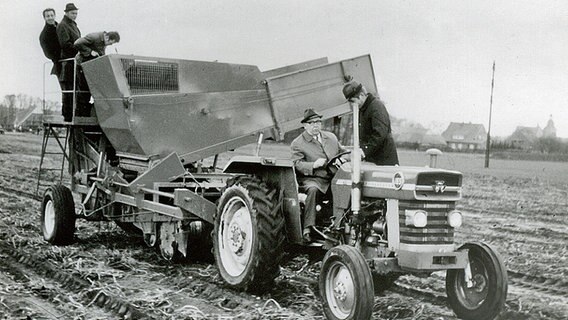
(68, 33)
(90, 47)
(49, 42)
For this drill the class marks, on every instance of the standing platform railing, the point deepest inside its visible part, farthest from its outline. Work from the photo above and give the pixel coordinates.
(55, 127)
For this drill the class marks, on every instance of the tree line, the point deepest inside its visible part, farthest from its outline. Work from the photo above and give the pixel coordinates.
(13, 105)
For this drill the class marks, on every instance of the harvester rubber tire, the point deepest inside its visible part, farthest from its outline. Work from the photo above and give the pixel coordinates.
(200, 247)
(346, 285)
(486, 298)
(58, 215)
(248, 235)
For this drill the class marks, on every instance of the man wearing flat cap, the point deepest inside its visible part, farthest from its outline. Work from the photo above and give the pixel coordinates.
(311, 150)
(67, 33)
(375, 134)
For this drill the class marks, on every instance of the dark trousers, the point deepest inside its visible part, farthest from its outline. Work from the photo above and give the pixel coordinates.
(83, 97)
(313, 197)
(67, 100)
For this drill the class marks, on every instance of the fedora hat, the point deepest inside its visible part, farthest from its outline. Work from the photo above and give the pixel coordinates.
(310, 114)
(351, 88)
(70, 7)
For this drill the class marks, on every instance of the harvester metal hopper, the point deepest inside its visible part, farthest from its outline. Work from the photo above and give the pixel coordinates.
(151, 107)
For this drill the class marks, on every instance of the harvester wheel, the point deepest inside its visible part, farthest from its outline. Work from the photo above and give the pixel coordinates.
(346, 284)
(485, 299)
(199, 243)
(58, 215)
(248, 235)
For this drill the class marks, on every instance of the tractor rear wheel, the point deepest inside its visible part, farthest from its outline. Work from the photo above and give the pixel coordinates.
(248, 235)
(485, 299)
(58, 215)
(346, 284)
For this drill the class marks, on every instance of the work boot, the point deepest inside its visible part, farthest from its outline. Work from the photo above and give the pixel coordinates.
(307, 235)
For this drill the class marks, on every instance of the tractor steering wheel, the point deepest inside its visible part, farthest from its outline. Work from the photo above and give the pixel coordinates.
(335, 163)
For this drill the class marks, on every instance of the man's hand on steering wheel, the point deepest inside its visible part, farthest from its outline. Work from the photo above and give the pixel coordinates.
(335, 163)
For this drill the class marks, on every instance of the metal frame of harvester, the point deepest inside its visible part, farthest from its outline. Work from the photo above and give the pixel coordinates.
(139, 161)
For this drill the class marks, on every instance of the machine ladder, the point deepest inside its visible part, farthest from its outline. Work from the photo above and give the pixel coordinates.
(50, 131)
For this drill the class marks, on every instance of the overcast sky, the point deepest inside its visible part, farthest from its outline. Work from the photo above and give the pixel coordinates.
(432, 59)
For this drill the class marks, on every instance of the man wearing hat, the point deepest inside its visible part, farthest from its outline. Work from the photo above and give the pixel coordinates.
(375, 135)
(310, 152)
(67, 33)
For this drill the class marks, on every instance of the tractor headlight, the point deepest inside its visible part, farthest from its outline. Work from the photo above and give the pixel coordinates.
(455, 219)
(417, 218)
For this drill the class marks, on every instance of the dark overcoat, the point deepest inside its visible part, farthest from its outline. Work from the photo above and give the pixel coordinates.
(50, 46)
(67, 33)
(92, 42)
(306, 150)
(375, 134)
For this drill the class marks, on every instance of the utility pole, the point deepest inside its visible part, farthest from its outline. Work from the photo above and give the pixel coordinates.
(488, 145)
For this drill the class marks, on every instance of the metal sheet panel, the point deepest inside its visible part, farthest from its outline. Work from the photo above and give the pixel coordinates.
(294, 67)
(319, 88)
(155, 106)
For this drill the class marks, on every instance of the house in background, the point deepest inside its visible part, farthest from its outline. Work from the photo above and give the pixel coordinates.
(417, 137)
(465, 136)
(524, 137)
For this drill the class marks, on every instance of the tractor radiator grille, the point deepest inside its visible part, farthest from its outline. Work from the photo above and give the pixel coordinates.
(147, 77)
(437, 230)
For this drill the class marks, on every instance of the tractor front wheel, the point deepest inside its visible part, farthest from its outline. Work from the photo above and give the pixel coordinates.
(346, 284)
(58, 215)
(485, 296)
(248, 235)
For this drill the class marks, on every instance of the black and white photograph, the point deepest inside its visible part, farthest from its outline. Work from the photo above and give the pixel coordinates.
(315, 159)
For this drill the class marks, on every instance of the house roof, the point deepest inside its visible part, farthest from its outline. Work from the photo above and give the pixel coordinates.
(468, 132)
(525, 133)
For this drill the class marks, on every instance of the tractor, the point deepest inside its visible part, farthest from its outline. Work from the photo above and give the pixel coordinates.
(147, 159)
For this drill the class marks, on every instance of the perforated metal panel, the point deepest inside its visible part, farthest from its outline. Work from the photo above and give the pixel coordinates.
(147, 77)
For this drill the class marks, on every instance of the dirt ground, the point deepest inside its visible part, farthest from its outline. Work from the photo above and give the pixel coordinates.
(519, 208)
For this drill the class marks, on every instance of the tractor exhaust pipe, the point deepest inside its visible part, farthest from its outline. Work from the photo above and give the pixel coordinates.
(355, 166)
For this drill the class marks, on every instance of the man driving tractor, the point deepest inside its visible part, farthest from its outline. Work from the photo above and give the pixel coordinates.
(310, 152)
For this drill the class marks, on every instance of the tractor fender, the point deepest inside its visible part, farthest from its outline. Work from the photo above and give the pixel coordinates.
(250, 164)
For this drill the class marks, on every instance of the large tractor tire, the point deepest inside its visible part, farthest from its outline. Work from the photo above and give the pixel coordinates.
(346, 285)
(58, 215)
(248, 235)
(485, 299)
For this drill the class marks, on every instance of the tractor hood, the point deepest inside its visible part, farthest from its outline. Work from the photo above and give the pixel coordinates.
(403, 183)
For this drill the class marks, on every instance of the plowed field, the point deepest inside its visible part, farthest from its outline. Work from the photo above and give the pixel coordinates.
(520, 208)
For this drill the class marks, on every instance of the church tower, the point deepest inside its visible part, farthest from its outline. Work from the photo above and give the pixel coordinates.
(549, 131)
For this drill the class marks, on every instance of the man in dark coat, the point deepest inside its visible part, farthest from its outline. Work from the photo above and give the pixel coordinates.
(375, 133)
(90, 46)
(67, 33)
(49, 42)
(310, 152)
